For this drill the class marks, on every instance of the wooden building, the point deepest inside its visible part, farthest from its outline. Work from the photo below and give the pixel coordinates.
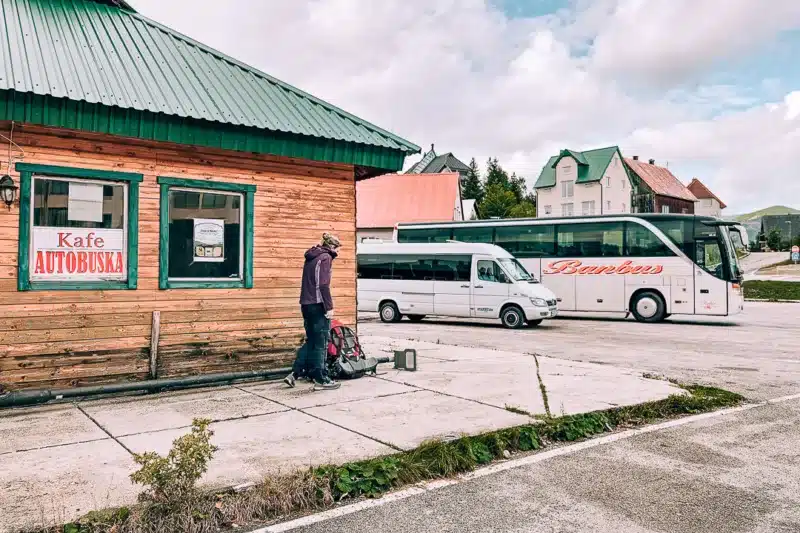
(166, 195)
(657, 190)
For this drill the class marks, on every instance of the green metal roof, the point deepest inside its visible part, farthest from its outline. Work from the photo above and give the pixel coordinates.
(99, 65)
(592, 164)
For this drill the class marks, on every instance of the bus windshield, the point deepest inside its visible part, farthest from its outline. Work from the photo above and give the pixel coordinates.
(733, 258)
(516, 270)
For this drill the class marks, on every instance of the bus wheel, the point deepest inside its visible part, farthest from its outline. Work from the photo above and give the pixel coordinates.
(648, 306)
(389, 313)
(512, 317)
(416, 318)
(534, 323)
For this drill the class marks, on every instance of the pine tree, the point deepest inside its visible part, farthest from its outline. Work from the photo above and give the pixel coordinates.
(497, 202)
(495, 175)
(517, 185)
(472, 188)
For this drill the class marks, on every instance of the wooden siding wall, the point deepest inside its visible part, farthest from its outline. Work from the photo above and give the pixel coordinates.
(74, 338)
(676, 205)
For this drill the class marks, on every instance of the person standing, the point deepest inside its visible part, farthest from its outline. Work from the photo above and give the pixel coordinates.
(316, 305)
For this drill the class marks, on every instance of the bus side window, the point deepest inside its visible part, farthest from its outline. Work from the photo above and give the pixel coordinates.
(594, 239)
(484, 235)
(424, 235)
(641, 242)
(527, 241)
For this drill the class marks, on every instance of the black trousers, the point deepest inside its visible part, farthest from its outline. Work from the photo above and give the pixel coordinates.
(311, 356)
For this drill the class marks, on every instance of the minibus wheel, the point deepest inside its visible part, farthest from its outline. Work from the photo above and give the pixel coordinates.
(416, 318)
(648, 306)
(389, 313)
(512, 317)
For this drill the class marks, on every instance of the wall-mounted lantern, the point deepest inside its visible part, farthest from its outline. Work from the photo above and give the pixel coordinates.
(8, 191)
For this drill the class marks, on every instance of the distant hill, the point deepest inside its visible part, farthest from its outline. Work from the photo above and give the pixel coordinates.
(774, 210)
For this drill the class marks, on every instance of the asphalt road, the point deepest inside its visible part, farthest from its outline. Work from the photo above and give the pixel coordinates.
(731, 474)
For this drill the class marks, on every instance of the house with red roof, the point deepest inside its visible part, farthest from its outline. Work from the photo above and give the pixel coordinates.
(391, 199)
(708, 204)
(657, 190)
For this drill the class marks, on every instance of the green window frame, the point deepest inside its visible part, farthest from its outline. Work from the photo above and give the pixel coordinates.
(248, 194)
(26, 173)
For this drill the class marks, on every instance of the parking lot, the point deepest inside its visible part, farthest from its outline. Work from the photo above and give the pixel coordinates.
(754, 353)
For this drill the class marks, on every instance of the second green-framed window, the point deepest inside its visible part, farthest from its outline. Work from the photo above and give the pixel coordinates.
(206, 234)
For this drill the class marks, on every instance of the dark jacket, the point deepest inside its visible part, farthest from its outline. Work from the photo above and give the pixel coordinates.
(316, 286)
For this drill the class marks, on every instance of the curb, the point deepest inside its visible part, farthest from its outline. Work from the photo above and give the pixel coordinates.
(772, 301)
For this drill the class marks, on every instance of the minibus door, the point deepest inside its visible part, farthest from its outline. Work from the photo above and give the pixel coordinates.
(490, 287)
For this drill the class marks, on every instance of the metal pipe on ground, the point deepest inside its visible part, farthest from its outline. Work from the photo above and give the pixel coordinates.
(39, 396)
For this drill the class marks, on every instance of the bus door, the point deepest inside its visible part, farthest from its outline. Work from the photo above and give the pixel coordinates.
(490, 287)
(711, 289)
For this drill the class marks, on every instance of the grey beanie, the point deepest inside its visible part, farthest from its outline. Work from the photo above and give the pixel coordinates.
(330, 240)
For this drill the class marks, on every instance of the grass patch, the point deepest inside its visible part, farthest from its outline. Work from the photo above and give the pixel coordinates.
(517, 410)
(320, 488)
(772, 290)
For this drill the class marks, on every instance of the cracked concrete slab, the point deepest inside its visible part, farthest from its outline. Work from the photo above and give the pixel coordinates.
(303, 396)
(132, 415)
(251, 448)
(407, 420)
(50, 425)
(53, 485)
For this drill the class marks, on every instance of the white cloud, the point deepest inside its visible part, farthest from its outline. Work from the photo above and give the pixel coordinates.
(665, 42)
(462, 75)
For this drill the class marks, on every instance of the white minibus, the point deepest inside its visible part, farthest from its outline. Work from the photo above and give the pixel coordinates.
(651, 265)
(449, 279)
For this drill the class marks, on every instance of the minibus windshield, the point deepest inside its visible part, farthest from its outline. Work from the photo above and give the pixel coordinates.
(516, 270)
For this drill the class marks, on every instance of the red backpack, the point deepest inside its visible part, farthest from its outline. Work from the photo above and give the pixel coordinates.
(345, 358)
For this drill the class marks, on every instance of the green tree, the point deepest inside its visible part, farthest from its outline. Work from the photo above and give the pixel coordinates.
(497, 202)
(517, 185)
(495, 175)
(524, 209)
(472, 187)
(774, 239)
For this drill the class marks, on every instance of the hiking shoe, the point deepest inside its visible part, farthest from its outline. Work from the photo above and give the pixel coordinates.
(289, 380)
(327, 385)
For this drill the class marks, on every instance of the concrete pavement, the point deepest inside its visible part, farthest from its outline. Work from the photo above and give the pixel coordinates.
(60, 461)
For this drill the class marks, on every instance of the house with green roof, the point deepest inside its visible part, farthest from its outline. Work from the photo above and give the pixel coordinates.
(158, 198)
(592, 182)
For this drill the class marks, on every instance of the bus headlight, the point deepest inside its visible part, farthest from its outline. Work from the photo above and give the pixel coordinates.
(539, 302)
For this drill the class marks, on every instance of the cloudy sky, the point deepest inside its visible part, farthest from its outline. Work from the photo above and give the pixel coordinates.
(710, 91)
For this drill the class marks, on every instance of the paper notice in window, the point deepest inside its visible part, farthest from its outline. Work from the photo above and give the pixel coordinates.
(209, 240)
(85, 202)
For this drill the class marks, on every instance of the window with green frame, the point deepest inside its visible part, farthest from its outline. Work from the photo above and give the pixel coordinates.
(206, 234)
(78, 228)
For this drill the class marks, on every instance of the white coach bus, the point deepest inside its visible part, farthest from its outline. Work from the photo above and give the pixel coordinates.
(651, 265)
(449, 279)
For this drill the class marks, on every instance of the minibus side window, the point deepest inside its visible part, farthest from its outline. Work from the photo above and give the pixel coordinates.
(491, 272)
(412, 267)
(374, 267)
(599, 239)
(527, 241)
(424, 235)
(452, 267)
(641, 242)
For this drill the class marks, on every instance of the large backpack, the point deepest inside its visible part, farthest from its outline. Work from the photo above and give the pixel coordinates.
(346, 359)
